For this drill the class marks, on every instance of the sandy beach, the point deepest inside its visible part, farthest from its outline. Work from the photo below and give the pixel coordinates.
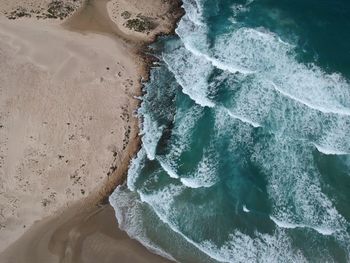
(70, 74)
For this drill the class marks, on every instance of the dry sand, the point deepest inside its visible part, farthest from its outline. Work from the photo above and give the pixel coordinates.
(67, 127)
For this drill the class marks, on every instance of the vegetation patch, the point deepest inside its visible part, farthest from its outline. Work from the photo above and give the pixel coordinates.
(139, 24)
(59, 9)
(126, 15)
(55, 9)
(19, 12)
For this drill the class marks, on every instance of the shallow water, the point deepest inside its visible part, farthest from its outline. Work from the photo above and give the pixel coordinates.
(246, 143)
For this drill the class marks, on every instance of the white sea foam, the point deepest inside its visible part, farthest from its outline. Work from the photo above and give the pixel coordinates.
(196, 42)
(163, 212)
(270, 58)
(196, 182)
(162, 199)
(329, 151)
(240, 247)
(245, 209)
(284, 224)
(151, 134)
(264, 248)
(193, 183)
(185, 122)
(238, 9)
(259, 52)
(169, 170)
(162, 202)
(323, 230)
(135, 169)
(270, 248)
(216, 62)
(194, 11)
(304, 201)
(243, 119)
(205, 174)
(326, 231)
(278, 84)
(129, 215)
(128, 210)
(238, 132)
(336, 110)
(277, 78)
(190, 76)
(335, 140)
(165, 220)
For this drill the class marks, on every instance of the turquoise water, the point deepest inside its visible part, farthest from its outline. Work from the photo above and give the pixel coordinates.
(246, 146)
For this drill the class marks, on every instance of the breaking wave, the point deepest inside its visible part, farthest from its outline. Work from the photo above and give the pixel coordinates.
(244, 145)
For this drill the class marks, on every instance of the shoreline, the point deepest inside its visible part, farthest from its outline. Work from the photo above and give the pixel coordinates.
(96, 202)
(147, 61)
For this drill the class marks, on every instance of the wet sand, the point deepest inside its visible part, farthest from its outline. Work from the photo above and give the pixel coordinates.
(88, 236)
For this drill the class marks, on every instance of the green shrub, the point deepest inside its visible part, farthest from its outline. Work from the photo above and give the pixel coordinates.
(139, 24)
(126, 15)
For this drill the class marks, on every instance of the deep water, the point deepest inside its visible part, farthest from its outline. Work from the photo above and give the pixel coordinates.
(246, 136)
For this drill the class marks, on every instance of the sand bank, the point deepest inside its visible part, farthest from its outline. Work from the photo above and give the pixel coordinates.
(67, 127)
(88, 236)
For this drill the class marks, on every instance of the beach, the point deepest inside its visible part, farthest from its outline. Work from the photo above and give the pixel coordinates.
(71, 77)
(174, 131)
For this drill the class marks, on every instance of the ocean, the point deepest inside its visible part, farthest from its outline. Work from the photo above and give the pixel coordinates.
(246, 136)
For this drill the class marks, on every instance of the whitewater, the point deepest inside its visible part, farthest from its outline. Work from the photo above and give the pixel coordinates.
(245, 137)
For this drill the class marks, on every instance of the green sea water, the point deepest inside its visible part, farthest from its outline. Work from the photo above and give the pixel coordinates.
(245, 136)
